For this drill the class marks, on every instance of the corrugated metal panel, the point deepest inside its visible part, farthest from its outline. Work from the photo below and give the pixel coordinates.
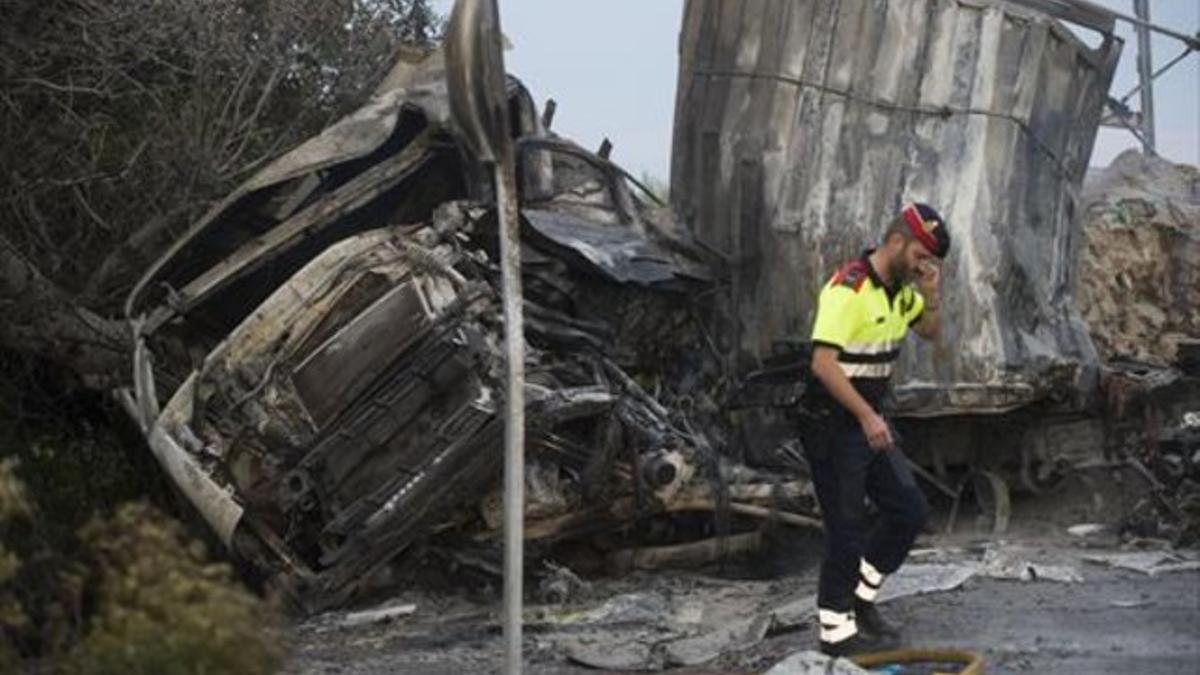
(802, 126)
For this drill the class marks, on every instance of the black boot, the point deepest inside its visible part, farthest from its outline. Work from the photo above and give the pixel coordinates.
(871, 622)
(858, 644)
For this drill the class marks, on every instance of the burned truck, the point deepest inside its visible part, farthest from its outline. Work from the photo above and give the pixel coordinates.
(318, 361)
(802, 127)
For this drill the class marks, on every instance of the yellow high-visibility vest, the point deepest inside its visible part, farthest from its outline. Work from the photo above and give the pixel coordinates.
(865, 322)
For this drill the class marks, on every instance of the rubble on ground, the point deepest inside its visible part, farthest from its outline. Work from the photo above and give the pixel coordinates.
(814, 663)
(651, 624)
(1170, 466)
(1148, 562)
(1138, 288)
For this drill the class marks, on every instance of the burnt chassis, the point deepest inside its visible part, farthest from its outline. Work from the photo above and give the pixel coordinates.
(326, 339)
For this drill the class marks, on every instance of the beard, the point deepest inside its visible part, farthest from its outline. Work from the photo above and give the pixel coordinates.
(901, 272)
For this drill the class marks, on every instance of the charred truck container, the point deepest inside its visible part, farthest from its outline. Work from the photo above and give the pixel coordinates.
(802, 126)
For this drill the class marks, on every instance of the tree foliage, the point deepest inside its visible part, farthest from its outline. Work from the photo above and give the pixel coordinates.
(124, 119)
(141, 598)
(15, 508)
(121, 122)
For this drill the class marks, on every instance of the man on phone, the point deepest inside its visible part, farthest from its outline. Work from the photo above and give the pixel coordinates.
(863, 314)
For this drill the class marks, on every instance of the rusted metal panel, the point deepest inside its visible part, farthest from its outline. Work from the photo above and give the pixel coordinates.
(803, 125)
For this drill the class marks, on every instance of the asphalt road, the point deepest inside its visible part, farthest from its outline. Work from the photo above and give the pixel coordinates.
(1115, 621)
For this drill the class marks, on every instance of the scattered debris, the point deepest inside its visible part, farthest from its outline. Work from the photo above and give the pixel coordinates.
(659, 629)
(1087, 529)
(929, 578)
(1130, 604)
(381, 614)
(630, 654)
(645, 607)
(1148, 562)
(652, 630)
(1169, 463)
(911, 579)
(560, 585)
(814, 663)
(1001, 563)
(918, 578)
(735, 635)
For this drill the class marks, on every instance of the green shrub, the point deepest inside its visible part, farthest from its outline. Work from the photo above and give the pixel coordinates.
(14, 506)
(163, 609)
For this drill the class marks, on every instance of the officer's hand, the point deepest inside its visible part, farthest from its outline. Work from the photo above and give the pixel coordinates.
(878, 434)
(929, 280)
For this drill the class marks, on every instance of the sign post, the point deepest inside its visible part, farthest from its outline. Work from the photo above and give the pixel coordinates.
(479, 105)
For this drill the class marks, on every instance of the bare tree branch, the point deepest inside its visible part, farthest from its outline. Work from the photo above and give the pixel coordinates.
(43, 321)
(123, 120)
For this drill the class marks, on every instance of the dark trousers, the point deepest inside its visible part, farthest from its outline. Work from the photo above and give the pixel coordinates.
(845, 470)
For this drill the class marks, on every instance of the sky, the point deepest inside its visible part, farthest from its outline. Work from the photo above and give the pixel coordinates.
(612, 66)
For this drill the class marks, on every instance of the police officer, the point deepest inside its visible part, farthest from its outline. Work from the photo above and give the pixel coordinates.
(863, 314)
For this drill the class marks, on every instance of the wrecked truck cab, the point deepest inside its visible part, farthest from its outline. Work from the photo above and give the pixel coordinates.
(392, 161)
(317, 362)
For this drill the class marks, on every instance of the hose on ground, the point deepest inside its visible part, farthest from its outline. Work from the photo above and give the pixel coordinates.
(972, 663)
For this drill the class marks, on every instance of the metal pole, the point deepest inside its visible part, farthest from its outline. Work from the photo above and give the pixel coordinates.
(475, 81)
(514, 418)
(1145, 74)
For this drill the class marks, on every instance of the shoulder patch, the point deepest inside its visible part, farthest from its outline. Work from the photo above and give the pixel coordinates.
(853, 275)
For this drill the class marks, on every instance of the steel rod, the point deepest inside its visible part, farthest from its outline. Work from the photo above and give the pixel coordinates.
(1154, 76)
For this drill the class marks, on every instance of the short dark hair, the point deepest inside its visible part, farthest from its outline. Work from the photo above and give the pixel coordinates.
(897, 226)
